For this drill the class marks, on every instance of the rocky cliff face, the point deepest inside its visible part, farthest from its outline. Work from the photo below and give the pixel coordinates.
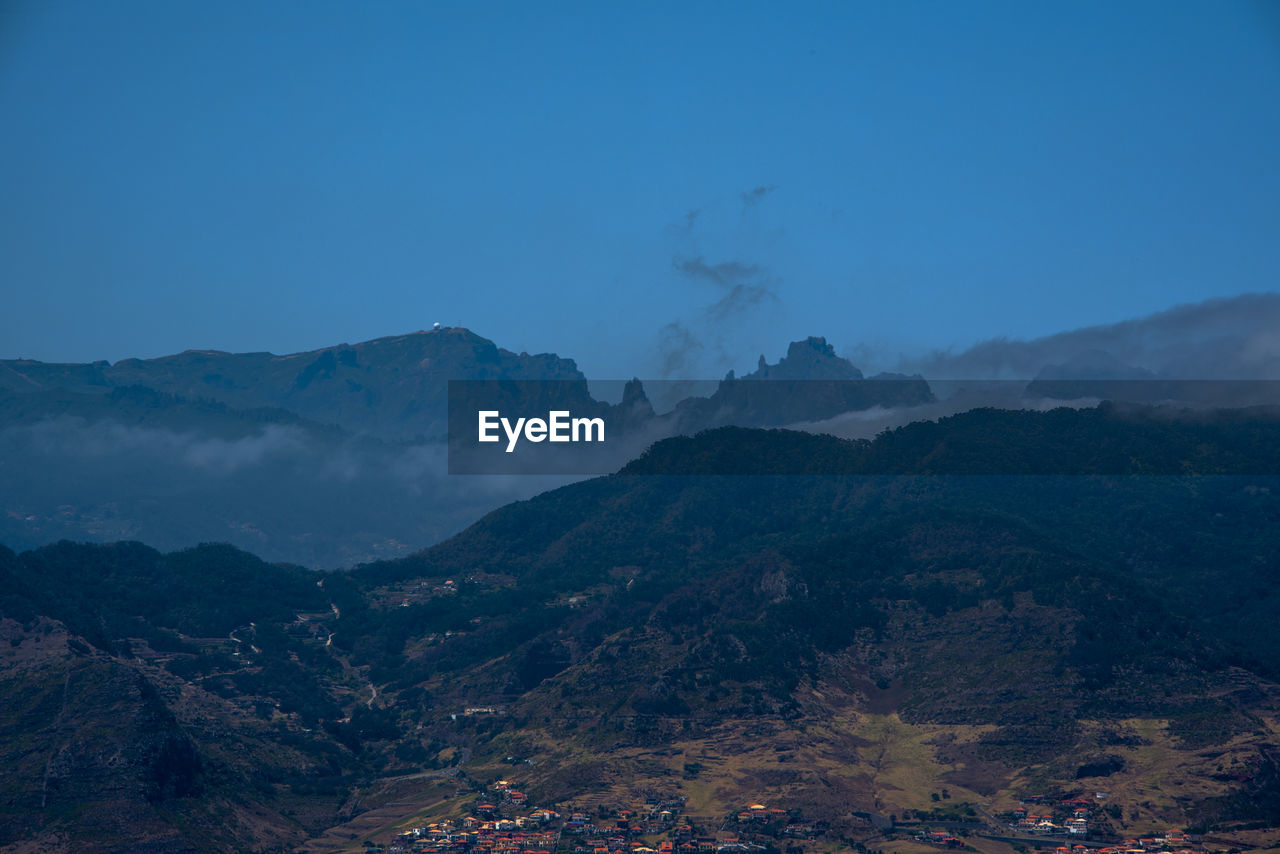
(102, 754)
(86, 735)
(810, 383)
(810, 359)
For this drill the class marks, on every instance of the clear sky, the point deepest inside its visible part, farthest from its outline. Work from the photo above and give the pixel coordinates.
(628, 184)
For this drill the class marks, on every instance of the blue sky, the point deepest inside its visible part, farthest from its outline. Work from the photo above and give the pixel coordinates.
(605, 180)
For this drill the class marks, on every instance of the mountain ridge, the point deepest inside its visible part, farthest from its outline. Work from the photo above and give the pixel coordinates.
(1016, 630)
(325, 457)
(391, 387)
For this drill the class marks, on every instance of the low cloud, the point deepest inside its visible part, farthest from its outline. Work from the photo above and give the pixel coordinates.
(1226, 338)
(75, 438)
(869, 423)
(223, 456)
(280, 491)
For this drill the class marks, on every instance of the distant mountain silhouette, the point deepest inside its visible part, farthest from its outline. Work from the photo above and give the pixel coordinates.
(809, 383)
(810, 359)
(392, 388)
(335, 456)
(326, 457)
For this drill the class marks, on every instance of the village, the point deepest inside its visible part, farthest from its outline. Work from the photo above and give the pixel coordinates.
(501, 821)
(1081, 819)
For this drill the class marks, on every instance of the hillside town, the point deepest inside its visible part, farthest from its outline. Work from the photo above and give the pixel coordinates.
(502, 821)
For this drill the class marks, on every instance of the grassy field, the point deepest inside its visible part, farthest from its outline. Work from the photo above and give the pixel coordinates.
(832, 767)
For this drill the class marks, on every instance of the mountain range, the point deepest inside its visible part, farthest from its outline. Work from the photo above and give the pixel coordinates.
(330, 457)
(337, 456)
(390, 388)
(844, 647)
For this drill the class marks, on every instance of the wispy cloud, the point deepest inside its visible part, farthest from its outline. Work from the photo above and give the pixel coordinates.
(754, 196)
(678, 350)
(1226, 338)
(743, 285)
(730, 291)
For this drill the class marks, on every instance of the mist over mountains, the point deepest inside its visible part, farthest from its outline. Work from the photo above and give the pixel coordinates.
(336, 456)
(322, 458)
(1232, 338)
(739, 612)
(849, 429)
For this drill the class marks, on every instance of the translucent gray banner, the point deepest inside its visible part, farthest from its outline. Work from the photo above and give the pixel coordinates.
(884, 425)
